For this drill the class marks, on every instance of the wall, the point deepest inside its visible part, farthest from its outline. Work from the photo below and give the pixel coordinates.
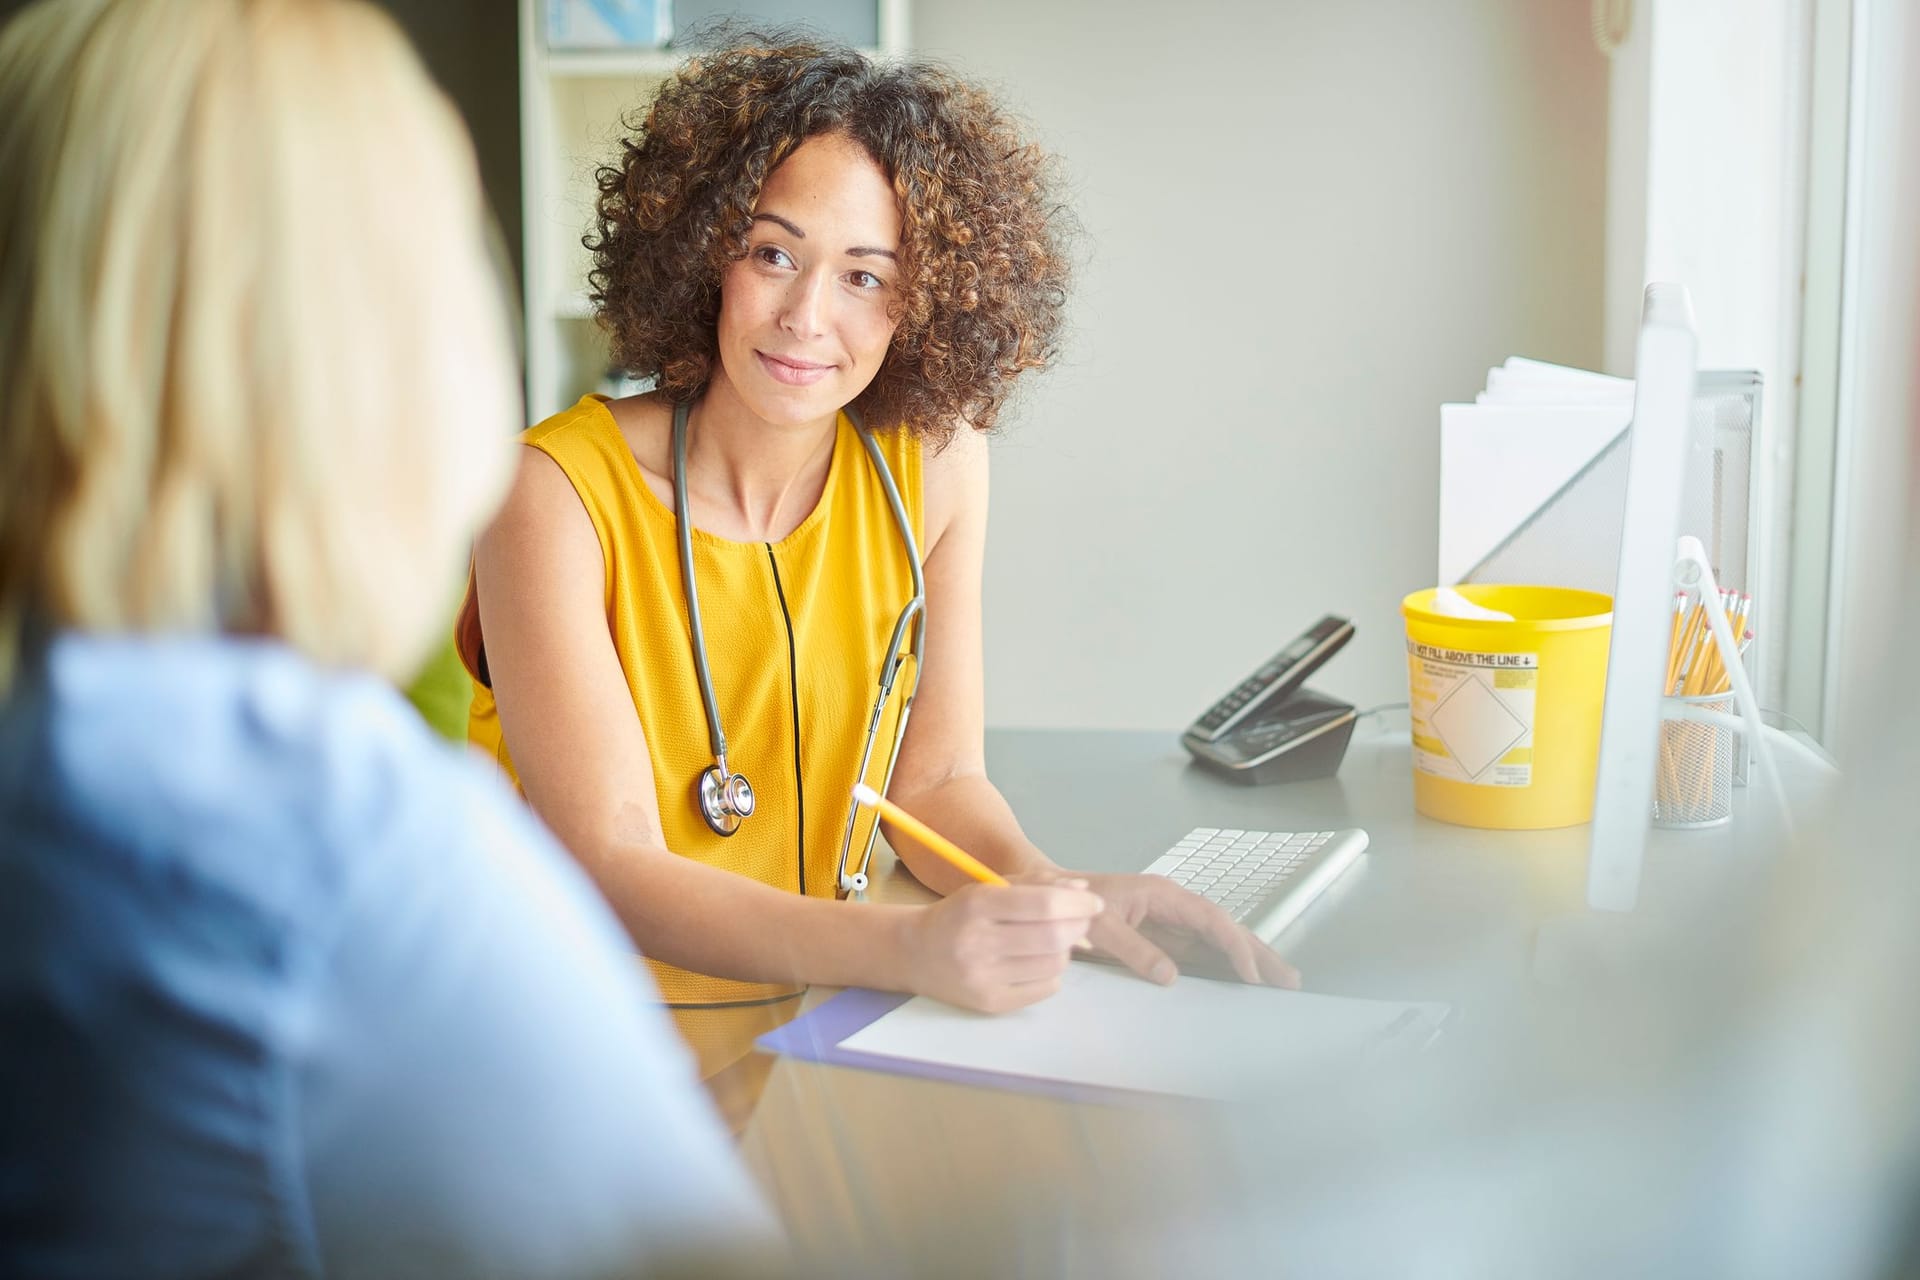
(1307, 225)
(1628, 126)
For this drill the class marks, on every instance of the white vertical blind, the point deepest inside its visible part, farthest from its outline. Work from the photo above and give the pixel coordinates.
(1878, 404)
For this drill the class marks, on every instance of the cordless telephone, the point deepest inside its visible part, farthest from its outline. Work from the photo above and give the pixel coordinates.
(1269, 727)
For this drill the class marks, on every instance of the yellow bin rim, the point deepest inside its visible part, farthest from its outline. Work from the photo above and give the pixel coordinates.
(1533, 607)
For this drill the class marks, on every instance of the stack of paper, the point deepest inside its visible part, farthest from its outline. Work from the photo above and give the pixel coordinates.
(1527, 490)
(1107, 1029)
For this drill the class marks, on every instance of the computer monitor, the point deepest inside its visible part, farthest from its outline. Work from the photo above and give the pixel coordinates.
(1664, 373)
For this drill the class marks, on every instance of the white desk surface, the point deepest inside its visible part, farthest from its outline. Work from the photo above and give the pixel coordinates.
(1431, 912)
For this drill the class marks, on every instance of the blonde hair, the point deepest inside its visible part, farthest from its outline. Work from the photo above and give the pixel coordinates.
(255, 370)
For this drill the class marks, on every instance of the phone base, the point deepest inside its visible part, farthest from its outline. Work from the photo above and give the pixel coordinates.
(1304, 737)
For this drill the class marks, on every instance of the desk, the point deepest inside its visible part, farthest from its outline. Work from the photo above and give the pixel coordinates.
(1433, 912)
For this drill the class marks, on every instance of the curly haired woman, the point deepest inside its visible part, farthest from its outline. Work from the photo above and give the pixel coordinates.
(834, 271)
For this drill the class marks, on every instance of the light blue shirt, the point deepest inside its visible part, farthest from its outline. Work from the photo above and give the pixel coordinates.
(288, 986)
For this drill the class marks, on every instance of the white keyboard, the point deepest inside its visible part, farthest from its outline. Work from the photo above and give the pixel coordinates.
(1263, 878)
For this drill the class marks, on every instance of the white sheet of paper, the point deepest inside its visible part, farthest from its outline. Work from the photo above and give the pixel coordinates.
(1499, 463)
(1197, 1038)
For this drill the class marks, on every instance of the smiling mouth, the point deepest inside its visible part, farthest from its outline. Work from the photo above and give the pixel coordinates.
(795, 373)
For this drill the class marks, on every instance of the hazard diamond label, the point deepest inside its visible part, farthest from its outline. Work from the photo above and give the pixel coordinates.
(1473, 714)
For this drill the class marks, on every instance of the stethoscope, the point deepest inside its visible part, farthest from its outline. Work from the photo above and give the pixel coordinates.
(725, 798)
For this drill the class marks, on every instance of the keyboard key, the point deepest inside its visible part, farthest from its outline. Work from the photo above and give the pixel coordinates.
(1251, 875)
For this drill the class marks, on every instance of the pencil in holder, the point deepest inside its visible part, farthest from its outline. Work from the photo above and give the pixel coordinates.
(1693, 779)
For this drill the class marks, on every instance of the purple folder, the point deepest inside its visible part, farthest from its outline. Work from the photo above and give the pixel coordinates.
(815, 1036)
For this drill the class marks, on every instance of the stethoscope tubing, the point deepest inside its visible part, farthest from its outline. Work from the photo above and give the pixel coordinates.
(683, 527)
(715, 792)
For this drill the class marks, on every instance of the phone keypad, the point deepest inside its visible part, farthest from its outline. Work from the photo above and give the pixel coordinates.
(1243, 693)
(1256, 686)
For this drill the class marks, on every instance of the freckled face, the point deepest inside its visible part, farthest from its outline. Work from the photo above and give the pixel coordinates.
(804, 317)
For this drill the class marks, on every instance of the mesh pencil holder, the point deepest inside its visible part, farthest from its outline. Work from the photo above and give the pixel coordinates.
(1693, 780)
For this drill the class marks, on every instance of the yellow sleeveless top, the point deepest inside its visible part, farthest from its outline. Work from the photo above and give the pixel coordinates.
(796, 631)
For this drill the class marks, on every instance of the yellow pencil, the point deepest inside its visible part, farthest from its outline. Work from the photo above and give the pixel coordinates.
(1673, 642)
(927, 836)
(1689, 647)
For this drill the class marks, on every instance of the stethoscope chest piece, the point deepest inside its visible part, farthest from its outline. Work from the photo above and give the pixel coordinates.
(725, 799)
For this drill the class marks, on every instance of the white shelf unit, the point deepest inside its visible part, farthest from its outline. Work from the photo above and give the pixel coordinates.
(571, 106)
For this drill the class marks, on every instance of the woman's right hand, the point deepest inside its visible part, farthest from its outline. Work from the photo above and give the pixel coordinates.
(994, 948)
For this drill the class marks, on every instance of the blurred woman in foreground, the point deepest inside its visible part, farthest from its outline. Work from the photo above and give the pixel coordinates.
(285, 986)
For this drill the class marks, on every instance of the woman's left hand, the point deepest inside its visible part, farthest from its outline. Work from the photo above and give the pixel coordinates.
(1138, 906)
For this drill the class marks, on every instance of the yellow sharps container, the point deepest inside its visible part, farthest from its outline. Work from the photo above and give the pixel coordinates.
(1506, 715)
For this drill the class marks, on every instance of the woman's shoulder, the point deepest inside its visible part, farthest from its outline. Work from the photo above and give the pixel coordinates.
(205, 751)
(301, 803)
(959, 453)
(602, 443)
(588, 416)
(954, 483)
